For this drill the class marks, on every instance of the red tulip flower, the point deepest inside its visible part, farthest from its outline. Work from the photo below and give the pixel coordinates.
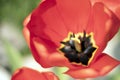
(72, 33)
(30, 74)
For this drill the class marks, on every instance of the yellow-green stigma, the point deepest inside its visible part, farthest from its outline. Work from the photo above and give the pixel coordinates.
(79, 48)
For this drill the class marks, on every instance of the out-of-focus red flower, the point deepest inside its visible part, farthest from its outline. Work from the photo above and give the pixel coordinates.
(113, 5)
(30, 74)
(72, 33)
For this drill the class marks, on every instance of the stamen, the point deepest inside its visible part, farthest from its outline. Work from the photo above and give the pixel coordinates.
(78, 48)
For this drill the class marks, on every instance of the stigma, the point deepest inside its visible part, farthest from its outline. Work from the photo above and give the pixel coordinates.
(79, 48)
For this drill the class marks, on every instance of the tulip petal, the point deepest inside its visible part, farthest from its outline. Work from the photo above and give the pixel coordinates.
(26, 31)
(45, 58)
(29, 41)
(104, 26)
(83, 73)
(102, 66)
(46, 23)
(58, 18)
(30, 74)
(113, 5)
(41, 52)
(50, 76)
(75, 13)
(104, 21)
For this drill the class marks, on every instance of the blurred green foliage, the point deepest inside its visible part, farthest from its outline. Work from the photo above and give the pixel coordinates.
(15, 11)
(13, 55)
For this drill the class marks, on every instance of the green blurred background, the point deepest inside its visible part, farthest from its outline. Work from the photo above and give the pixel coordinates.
(14, 52)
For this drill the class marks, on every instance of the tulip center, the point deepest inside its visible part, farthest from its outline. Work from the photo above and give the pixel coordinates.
(79, 48)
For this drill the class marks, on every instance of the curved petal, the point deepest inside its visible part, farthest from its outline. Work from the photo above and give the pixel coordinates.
(104, 26)
(114, 5)
(26, 31)
(45, 58)
(27, 36)
(46, 23)
(55, 18)
(105, 23)
(44, 52)
(30, 74)
(102, 66)
(83, 73)
(75, 14)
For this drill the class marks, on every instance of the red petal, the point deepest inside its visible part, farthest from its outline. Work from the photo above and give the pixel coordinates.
(26, 31)
(30, 74)
(50, 76)
(83, 73)
(104, 25)
(97, 23)
(55, 18)
(102, 66)
(114, 5)
(75, 14)
(46, 22)
(45, 58)
(29, 41)
(44, 52)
